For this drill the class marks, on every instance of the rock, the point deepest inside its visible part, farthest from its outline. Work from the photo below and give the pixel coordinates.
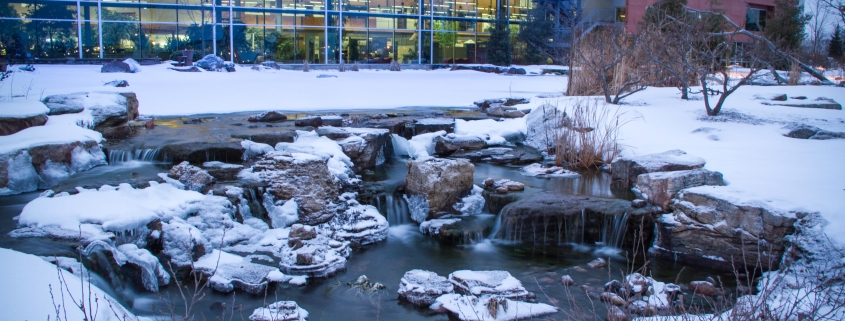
(194, 178)
(501, 190)
(186, 69)
(366, 147)
(116, 66)
(201, 152)
(487, 103)
(269, 138)
(489, 182)
(781, 97)
(638, 203)
(210, 62)
(613, 286)
(318, 257)
(820, 103)
(490, 307)
(302, 232)
(16, 116)
(614, 313)
(597, 263)
(716, 225)
(431, 125)
(446, 145)
(519, 155)
(108, 109)
(303, 178)
(498, 283)
(625, 170)
(810, 132)
(516, 71)
(226, 272)
(440, 183)
(280, 311)
(332, 120)
(508, 185)
(497, 201)
(551, 217)
(496, 111)
(421, 288)
(612, 298)
(326, 76)
(117, 83)
(659, 188)
(268, 117)
(704, 288)
(567, 280)
(541, 125)
(800, 97)
(229, 66)
(313, 121)
(369, 225)
(514, 114)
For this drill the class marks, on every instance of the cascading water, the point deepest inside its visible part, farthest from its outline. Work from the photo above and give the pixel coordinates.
(586, 228)
(117, 156)
(614, 229)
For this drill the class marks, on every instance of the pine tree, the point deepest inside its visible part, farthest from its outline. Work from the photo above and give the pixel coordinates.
(499, 46)
(536, 31)
(834, 50)
(786, 26)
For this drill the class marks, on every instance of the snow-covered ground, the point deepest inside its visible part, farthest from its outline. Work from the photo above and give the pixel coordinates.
(167, 92)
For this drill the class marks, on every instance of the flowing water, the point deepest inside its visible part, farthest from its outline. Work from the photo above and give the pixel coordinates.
(539, 267)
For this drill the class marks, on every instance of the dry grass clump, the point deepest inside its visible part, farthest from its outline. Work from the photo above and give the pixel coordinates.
(588, 134)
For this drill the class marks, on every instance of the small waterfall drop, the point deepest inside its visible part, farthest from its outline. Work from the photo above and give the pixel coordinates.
(117, 156)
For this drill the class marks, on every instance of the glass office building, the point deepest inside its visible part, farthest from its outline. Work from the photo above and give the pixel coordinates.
(248, 31)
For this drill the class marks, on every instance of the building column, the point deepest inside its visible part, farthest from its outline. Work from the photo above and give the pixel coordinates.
(79, 28)
(100, 26)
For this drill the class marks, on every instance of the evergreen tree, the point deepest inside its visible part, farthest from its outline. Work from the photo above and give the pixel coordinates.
(786, 26)
(536, 31)
(499, 46)
(834, 50)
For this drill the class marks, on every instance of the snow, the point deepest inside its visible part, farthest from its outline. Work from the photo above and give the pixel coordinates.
(134, 66)
(280, 311)
(228, 271)
(283, 215)
(471, 204)
(433, 227)
(253, 149)
(554, 171)
(494, 132)
(420, 146)
(435, 121)
(311, 143)
(46, 135)
(27, 282)
(22, 108)
(471, 308)
(161, 91)
(124, 208)
(418, 206)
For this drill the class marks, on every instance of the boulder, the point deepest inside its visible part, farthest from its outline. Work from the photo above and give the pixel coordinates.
(303, 178)
(550, 217)
(703, 288)
(108, 109)
(496, 111)
(498, 283)
(210, 62)
(438, 184)
(116, 66)
(716, 225)
(810, 132)
(487, 103)
(268, 117)
(514, 114)
(117, 83)
(659, 188)
(195, 178)
(542, 123)
(625, 170)
(313, 121)
(226, 272)
(317, 257)
(223, 171)
(421, 288)
(201, 152)
(370, 226)
(280, 311)
(16, 116)
(186, 69)
(366, 147)
(819, 103)
(269, 138)
(332, 120)
(518, 155)
(431, 125)
(446, 145)
(229, 66)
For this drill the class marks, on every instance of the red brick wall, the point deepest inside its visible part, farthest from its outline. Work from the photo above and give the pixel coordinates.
(735, 9)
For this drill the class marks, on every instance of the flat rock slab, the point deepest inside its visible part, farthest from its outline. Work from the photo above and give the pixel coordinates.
(626, 169)
(16, 116)
(659, 188)
(421, 288)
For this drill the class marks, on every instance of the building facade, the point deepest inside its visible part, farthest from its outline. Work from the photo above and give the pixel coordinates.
(246, 31)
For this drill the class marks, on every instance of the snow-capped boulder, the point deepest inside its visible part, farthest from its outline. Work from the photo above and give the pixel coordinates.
(268, 117)
(421, 288)
(626, 169)
(659, 188)
(280, 311)
(312, 121)
(131, 257)
(105, 109)
(360, 224)
(716, 225)
(226, 271)
(133, 64)
(194, 178)
(539, 170)
(42, 156)
(304, 178)
(316, 255)
(16, 116)
(431, 125)
(490, 308)
(116, 66)
(446, 145)
(222, 171)
(366, 147)
(518, 155)
(542, 124)
(437, 184)
(498, 283)
(487, 103)
(210, 62)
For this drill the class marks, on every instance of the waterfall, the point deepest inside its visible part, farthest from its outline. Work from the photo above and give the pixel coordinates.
(613, 231)
(122, 156)
(586, 228)
(397, 210)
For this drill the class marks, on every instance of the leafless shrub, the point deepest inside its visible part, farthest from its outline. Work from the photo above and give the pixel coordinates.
(588, 133)
(794, 75)
(305, 66)
(342, 66)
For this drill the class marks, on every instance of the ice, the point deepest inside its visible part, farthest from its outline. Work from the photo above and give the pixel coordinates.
(228, 271)
(23, 177)
(401, 147)
(473, 203)
(153, 273)
(472, 308)
(280, 311)
(553, 171)
(180, 239)
(22, 108)
(422, 146)
(499, 283)
(27, 284)
(432, 227)
(281, 215)
(418, 206)
(253, 149)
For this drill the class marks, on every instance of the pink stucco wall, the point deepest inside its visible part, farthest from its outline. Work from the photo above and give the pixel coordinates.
(735, 9)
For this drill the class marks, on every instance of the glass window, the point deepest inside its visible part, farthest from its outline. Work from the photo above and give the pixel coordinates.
(465, 8)
(310, 19)
(334, 51)
(407, 23)
(405, 48)
(355, 20)
(279, 45)
(487, 9)
(162, 40)
(355, 45)
(120, 39)
(406, 6)
(310, 44)
(381, 6)
(441, 7)
(382, 22)
(755, 19)
(355, 5)
(158, 14)
(464, 52)
(381, 47)
(90, 41)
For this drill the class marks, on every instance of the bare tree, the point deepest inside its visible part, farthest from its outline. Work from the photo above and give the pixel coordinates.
(611, 58)
(819, 24)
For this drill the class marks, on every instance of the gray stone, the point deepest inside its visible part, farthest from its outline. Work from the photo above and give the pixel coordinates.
(519, 155)
(374, 147)
(496, 111)
(306, 180)
(313, 121)
(268, 117)
(210, 62)
(109, 109)
(716, 225)
(194, 178)
(446, 145)
(441, 182)
(487, 103)
(117, 83)
(514, 114)
(496, 283)
(11, 125)
(116, 66)
(420, 288)
(186, 69)
(659, 188)
(625, 170)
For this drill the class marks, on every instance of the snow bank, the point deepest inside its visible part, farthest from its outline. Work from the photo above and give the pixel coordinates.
(47, 135)
(27, 281)
(422, 145)
(253, 149)
(22, 108)
(494, 132)
(471, 308)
